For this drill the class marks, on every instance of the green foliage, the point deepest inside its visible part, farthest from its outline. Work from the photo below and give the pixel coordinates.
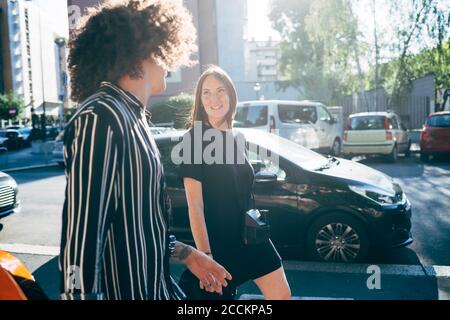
(323, 50)
(320, 50)
(8, 102)
(175, 109)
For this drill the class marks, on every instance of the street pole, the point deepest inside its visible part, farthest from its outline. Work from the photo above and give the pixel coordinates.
(377, 53)
(257, 89)
(61, 43)
(43, 116)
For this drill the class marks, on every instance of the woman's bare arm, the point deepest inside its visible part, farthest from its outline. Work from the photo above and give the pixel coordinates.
(194, 197)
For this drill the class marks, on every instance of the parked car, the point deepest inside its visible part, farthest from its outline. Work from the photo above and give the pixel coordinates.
(307, 123)
(435, 136)
(58, 150)
(337, 209)
(26, 135)
(3, 142)
(14, 139)
(51, 132)
(9, 202)
(58, 153)
(376, 133)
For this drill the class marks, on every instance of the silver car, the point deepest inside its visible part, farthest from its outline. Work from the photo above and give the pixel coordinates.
(9, 202)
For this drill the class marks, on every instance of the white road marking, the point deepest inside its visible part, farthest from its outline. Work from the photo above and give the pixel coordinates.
(30, 249)
(261, 297)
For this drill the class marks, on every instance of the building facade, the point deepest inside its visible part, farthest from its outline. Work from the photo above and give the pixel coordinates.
(30, 56)
(262, 60)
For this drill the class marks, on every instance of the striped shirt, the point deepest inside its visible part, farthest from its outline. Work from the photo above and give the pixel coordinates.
(114, 235)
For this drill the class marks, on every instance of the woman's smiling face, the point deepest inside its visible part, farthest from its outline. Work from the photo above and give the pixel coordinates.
(215, 99)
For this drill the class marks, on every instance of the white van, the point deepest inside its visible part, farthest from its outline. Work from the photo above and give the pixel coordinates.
(307, 123)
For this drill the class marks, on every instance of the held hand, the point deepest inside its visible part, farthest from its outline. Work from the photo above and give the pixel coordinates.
(212, 275)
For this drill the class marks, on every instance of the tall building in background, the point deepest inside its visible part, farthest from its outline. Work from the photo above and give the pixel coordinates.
(262, 59)
(231, 19)
(2, 54)
(31, 66)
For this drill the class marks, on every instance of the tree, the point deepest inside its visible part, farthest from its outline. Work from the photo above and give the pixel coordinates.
(174, 110)
(11, 106)
(321, 49)
(425, 26)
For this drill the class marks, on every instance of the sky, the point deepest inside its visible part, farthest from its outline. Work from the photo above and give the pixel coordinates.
(259, 25)
(54, 13)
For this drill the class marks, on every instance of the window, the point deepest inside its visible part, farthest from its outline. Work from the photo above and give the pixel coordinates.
(323, 114)
(297, 114)
(394, 123)
(248, 117)
(441, 121)
(367, 123)
(171, 170)
(265, 165)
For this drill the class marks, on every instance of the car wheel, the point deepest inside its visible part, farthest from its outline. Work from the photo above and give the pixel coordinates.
(338, 238)
(336, 148)
(394, 154)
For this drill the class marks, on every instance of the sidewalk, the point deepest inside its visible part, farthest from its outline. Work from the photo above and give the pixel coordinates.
(308, 280)
(24, 158)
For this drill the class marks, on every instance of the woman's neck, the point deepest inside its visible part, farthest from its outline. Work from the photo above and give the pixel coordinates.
(220, 125)
(138, 87)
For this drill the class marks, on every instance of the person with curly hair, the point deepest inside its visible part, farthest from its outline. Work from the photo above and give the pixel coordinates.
(115, 242)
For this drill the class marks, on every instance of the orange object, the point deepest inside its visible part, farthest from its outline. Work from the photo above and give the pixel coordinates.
(14, 266)
(9, 266)
(9, 289)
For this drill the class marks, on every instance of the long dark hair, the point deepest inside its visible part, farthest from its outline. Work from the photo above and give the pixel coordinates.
(198, 110)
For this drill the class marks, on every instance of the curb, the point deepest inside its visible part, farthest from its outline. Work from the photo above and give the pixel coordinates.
(41, 166)
(442, 272)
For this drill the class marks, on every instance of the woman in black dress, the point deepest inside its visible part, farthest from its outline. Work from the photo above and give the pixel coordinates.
(218, 190)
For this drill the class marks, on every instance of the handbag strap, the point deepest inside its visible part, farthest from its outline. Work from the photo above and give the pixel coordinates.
(236, 184)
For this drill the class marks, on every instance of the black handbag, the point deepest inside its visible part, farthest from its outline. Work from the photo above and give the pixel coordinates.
(256, 230)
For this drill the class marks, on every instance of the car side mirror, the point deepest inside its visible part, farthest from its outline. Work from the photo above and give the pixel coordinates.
(265, 176)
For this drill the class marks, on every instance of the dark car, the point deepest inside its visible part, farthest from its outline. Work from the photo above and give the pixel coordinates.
(435, 136)
(337, 209)
(26, 135)
(14, 139)
(8, 195)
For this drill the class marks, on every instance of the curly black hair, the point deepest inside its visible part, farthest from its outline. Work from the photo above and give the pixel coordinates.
(113, 40)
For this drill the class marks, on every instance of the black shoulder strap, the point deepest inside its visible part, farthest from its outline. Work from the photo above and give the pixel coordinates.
(236, 184)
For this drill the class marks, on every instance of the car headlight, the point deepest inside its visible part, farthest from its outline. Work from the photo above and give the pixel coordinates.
(377, 196)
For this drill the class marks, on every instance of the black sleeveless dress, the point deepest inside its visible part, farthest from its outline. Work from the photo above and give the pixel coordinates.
(227, 187)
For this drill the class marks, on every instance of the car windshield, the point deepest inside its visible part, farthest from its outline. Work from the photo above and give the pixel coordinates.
(250, 116)
(439, 121)
(25, 130)
(366, 123)
(287, 149)
(297, 114)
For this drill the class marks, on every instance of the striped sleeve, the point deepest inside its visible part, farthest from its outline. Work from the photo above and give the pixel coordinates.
(94, 147)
